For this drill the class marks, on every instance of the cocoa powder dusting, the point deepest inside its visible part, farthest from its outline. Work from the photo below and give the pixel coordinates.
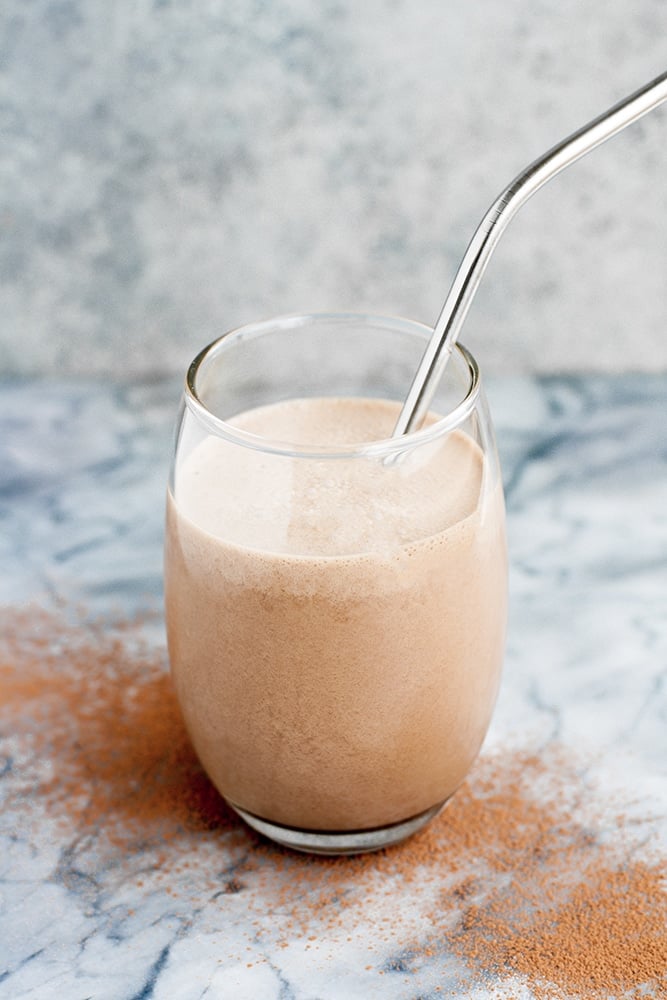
(524, 878)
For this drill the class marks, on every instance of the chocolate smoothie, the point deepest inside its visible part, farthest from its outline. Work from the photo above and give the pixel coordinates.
(335, 627)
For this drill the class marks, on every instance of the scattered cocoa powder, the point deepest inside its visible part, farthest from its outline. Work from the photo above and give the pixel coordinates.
(98, 704)
(524, 878)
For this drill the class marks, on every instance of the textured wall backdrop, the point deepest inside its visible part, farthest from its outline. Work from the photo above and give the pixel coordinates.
(171, 169)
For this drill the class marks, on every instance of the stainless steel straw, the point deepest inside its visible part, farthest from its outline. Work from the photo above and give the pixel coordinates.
(492, 227)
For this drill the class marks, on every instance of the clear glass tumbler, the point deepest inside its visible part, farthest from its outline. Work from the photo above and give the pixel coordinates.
(336, 599)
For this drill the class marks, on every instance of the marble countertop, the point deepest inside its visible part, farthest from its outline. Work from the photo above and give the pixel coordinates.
(83, 467)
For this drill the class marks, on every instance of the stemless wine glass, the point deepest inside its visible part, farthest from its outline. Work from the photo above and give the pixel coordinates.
(336, 599)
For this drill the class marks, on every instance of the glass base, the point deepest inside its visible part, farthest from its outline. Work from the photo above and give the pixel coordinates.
(338, 842)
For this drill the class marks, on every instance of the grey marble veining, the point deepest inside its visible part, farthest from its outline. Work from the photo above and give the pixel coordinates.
(172, 169)
(83, 467)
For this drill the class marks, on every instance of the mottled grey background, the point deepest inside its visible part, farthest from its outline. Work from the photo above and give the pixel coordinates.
(171, 169)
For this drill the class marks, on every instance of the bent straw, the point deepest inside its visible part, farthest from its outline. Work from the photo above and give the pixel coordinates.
(491, 228)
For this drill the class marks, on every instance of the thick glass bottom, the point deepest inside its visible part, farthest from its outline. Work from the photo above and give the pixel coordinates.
(338, 842)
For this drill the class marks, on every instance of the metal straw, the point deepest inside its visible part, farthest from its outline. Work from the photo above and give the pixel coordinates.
(491, 228)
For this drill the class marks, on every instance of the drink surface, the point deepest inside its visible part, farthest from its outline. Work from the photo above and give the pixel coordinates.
(335, 626)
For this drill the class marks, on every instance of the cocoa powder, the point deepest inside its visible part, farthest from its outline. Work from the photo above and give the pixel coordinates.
(526, 877)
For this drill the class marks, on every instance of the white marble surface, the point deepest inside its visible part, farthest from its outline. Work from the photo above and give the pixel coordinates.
(82, 474)
(172, 169)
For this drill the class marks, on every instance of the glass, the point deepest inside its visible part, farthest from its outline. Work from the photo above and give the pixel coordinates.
(335, 599)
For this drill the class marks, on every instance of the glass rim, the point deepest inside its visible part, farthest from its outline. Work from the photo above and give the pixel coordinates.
(365, 449)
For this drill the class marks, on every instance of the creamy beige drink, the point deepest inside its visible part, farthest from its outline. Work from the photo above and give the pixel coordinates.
(335, 627)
